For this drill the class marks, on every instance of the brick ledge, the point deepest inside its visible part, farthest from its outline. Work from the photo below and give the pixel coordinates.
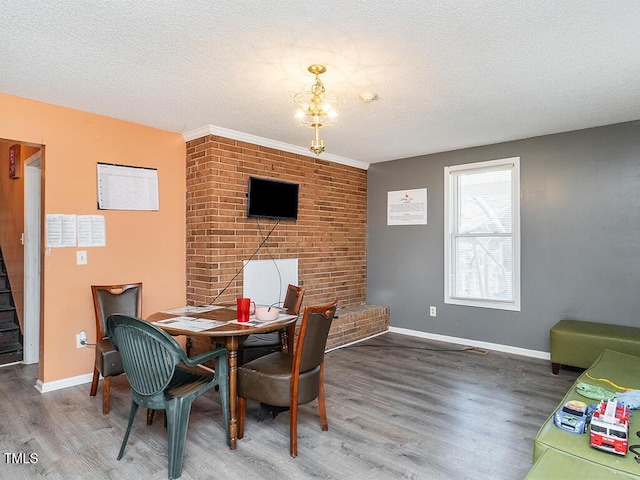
(357, 322)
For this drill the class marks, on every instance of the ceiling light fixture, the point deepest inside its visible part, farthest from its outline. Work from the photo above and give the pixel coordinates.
(316, 108)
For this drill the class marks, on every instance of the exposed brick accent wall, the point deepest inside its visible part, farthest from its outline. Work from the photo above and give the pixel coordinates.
(357, 322)
(329, 237)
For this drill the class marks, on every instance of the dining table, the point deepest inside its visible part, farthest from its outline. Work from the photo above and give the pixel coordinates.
(219, 323)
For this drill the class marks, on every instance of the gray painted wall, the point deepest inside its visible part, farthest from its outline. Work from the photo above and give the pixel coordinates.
(580, 238)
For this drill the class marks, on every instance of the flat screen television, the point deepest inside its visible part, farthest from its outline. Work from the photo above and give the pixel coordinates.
(272, 199)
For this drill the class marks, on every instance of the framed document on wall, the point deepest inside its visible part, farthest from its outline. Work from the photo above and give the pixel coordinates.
(14, 161)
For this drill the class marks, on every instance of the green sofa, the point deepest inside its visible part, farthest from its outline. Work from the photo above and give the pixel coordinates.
(561, 455)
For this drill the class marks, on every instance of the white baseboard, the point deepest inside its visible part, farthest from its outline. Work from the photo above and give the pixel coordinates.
(44, 387)
(473, 343)
(9, 364)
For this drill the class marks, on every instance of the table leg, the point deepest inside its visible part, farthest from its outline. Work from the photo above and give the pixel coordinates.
(232, 355)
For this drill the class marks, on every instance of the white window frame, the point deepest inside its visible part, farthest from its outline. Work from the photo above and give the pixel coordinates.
(450, 206)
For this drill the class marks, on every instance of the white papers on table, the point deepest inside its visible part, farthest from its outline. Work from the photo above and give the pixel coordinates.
(254, 322)
(192, 309)
(189, 323)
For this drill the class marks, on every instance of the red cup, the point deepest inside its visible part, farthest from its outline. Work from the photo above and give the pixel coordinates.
(244, 309)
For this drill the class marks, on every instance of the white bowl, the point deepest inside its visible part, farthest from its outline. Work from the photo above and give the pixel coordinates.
(267, 313)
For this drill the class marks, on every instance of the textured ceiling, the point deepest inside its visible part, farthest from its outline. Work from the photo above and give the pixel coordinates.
(449, 74)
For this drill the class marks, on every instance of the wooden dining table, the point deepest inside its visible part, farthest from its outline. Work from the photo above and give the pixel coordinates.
(219, 324)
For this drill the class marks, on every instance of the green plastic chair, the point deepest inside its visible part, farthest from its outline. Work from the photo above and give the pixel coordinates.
(163, 377)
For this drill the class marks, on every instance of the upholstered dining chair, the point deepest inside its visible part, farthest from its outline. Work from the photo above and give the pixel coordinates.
(109, 299)
(261, 344)
(288, 380)
(163, 377)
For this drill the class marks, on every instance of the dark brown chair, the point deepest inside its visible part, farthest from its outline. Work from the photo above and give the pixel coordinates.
(288, 380)
(107, 300)
(261, 344)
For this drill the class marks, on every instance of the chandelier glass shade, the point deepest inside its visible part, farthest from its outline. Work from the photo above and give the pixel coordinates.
(316, 108)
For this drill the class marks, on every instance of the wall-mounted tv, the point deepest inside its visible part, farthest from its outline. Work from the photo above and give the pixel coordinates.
(272, 199)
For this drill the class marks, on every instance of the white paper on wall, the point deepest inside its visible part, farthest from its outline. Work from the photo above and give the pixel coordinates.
(61, 230)
(91, 231)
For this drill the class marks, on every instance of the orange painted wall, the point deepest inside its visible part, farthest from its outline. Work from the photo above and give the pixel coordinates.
(141, 246)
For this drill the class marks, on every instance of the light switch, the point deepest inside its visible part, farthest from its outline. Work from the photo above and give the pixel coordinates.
(81, 257)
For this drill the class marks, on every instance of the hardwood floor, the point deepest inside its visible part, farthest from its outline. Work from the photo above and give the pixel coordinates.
(398, 409)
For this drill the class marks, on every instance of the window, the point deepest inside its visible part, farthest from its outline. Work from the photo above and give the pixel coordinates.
(482, 234)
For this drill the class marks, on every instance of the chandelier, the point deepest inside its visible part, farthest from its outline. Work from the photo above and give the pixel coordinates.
(316, 108)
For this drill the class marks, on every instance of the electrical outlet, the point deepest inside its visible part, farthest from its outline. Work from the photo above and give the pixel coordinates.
(432, 311)
(81, 339)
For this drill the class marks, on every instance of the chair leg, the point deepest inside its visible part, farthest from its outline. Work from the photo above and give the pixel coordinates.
(293, 427)
(322, 409)
(150, 413)
(224, 402)
(134, 409)
(242, 410)
(94, 382)
(177, 414)
(106, 388)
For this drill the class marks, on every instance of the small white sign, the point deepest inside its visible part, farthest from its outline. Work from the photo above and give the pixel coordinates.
(407, 207)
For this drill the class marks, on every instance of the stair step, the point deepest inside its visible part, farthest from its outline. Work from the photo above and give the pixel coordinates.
(10, 348)
(9, 339)
(5, 297)
(8, 314)
(6, 326)
(6, 308)
(11, 357)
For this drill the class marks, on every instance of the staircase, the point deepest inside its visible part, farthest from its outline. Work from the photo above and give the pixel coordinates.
(10, 335)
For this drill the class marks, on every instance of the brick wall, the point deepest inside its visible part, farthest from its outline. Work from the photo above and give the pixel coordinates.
(329, 237)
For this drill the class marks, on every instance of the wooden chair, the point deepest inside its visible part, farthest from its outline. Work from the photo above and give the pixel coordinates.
(107, 300)
(163, 377)
(258, 345)
(288, 380)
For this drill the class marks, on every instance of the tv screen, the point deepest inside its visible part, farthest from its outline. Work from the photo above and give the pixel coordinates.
(272, 199)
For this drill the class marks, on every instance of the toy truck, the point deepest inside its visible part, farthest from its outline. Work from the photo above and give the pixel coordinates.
(609, 428)
(573, 417)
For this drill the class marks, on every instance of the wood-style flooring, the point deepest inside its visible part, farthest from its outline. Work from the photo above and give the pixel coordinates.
(398, 407)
